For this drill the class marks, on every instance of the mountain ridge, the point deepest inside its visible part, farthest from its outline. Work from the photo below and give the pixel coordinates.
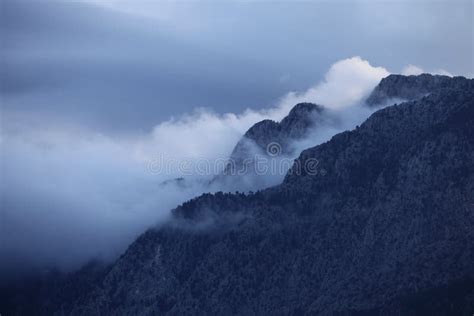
(407, 88)
(385, 229)
(262, 135)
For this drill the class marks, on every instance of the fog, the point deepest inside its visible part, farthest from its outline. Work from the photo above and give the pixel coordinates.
(71, 194)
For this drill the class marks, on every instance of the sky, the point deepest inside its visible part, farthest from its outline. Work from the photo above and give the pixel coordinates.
(125, 65)
(93, 92)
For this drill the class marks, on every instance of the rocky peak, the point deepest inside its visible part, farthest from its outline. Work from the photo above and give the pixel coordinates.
(301, 118)
(269, 139)
(274, 136)
(294, 126)
(263, 132)
(412, 87)
(303, 108)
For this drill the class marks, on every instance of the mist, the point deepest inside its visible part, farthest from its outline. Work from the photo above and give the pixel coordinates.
(71, 194)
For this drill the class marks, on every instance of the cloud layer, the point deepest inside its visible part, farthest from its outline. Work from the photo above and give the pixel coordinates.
(70, 194)
(347, 82)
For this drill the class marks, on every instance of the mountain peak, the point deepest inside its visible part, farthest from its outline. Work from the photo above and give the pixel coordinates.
(296, 125)
(263, 129)
(266, 135)
(405, 88)
(304, 108)
(293, 126)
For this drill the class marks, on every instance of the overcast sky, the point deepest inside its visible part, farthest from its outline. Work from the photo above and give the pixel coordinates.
(128, 65)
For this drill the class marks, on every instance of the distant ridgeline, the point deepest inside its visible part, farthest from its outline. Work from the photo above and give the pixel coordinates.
(406, 88)
(388, 229)
(276, 140)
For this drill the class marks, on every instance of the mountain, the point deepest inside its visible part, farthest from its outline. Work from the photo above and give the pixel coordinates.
(267, 142)
(296, 125)
(399, 87)
(377, 221)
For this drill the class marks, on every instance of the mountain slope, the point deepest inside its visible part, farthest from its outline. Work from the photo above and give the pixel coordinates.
(386, 228)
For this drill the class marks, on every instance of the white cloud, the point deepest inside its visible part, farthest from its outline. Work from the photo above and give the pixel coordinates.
(205, 134)
(412, 70)
(442, 72)
(347, 82)
(79, 194)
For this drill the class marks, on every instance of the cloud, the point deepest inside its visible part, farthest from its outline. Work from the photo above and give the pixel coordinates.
(68, 196)
(204, 134)
(442, 72)
(70, 193)
(410, 70)
(347, 82)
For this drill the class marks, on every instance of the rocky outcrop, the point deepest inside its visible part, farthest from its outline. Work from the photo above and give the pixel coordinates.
(404, 88)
